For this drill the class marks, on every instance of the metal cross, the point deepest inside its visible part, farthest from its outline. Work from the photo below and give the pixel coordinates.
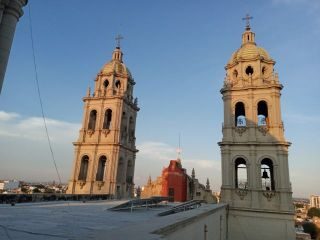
(247, 18)
(118, 39)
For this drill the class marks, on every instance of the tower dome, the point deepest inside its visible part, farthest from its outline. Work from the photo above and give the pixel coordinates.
(249, 50)
(116, 65)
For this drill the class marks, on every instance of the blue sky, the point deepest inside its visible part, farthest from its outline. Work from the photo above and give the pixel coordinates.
(176, 51)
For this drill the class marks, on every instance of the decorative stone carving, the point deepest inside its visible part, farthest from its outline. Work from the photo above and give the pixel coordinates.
(263, 129)
(90, 132)
(242, 193)
(100, 184)
(106, 132)
(240, 130)
(81, 183)
(269, 195)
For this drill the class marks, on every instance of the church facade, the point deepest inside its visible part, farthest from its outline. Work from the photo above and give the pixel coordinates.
(254, 151)
(105, 152)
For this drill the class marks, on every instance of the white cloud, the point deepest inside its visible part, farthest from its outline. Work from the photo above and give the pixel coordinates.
(6, 116)
(32, 128)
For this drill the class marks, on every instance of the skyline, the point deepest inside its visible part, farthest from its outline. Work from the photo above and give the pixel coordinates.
(178, 78)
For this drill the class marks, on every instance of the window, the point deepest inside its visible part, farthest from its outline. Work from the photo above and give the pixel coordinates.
(92, 120)
(129, 174)
(241, 174)
(83, 168)
(264, 69)
(235, 74)
(106, 83)
(120, 173)
(240, 115)
(262, 113)
(131, 129)
(249, 70)
(267, 175)
(101, 168)
(107, 119)
(118, 84)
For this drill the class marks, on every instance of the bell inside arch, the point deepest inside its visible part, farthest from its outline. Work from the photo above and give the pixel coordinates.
(265, 174)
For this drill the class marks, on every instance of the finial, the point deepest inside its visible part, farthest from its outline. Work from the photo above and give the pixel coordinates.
(247, 18)
(149, 180)
(208, 184)
(193, 174)
(118, 39)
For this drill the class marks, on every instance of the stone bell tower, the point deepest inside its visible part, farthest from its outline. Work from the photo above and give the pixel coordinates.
(254, 151)
(105, 152)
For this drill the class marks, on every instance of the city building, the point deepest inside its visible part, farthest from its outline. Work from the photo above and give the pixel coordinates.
(9, 185)
(10, 12)
(177, 185)
(105, 151)
(315, 201)
(254, 151)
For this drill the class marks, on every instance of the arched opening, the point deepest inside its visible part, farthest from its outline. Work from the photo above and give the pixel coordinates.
(101, 168)
(235, 74)
(107, 119)
(241, 178)
(92, 120)
(129, 178)
(131, 129)
(249, 70)
(118, 84)
(263, 71)
(124, 127)
(240, 115)
(263, 114)
(267, 174)
(120, 173)
(106, 83)
(83, 168)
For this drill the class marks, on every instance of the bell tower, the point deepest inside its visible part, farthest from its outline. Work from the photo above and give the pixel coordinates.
(105, 152)
(254, 151)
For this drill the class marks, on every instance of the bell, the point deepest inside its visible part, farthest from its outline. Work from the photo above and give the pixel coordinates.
(265, 174)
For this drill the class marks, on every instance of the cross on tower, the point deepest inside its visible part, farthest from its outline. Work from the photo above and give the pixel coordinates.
(118, 39)
(247, 18)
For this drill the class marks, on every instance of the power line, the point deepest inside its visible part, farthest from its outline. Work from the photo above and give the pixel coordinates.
(39, 96)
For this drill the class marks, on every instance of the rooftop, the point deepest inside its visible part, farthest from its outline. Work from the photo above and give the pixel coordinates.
(90, 220)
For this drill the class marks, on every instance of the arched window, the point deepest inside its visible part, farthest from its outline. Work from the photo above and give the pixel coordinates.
(235, 74)
(92, 120)
(124, 129)
(131, 129)
(101, 168)
(129, 178)
(120, 173)
(106, 83)
(241, 180)
(267, 174)
(83, 168)
(107, 119)
(249, 70)
(118, 84)
(262, 114)
(240, 115)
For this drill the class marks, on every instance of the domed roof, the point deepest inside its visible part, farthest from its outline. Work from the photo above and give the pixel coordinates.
(116, 65)
(249, 50)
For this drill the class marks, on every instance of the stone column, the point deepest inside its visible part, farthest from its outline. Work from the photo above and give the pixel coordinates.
(10, 12)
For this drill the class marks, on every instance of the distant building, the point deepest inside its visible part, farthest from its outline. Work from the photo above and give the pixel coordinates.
(9, 185)
(10, 12)
(176, 184)
(315, 201)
